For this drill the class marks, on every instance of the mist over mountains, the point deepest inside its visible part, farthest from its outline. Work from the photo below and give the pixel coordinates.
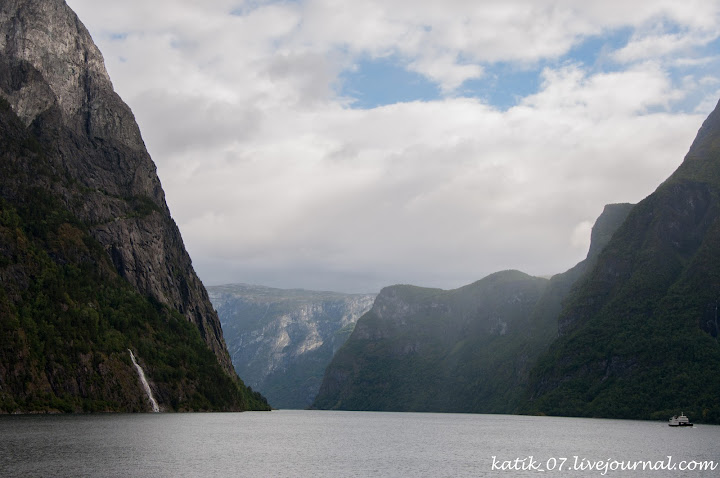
(629, 333)
(465, 350)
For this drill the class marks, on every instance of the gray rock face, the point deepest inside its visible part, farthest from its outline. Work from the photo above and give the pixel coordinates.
(281, 341)
(54, 78)
(49, 36)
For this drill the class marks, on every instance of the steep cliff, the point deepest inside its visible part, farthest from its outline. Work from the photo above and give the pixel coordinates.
(80, 190)
(639, 335)
(54, 78)
(281, 341)
(464, 350)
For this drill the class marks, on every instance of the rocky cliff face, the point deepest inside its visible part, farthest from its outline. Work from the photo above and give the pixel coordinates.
(93, 270)
(54, 78)
(639, 335)
(281, 341)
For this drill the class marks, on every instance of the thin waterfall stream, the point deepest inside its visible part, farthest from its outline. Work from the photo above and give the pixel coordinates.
(146, 385)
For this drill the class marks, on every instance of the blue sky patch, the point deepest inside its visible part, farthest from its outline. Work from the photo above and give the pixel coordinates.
(375, 82)
(503, 85)
(383, 81)
(594, 51)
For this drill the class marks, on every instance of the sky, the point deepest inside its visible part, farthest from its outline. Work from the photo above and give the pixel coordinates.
(350, 145)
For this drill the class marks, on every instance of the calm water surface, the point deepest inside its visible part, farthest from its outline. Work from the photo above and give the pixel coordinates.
(294, 443)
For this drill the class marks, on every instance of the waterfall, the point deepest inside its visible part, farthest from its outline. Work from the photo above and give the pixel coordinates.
(145, 383)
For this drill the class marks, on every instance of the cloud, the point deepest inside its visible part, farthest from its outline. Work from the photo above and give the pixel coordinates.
(446, 71)
(581, 235)
(662, 44)
(274, 178)
(438, 193)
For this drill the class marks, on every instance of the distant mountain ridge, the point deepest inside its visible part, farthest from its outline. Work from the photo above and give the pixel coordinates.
(281, 340)
(91, 263)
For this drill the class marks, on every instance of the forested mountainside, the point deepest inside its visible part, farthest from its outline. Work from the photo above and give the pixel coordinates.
(639, 335)
(421, 349)
(631, 332)
(463, 350)
(281, 340)
(92, 265)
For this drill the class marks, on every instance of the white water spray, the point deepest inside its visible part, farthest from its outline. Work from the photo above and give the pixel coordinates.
(145, 383)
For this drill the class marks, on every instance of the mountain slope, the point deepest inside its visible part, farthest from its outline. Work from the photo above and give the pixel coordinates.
(422, 349)
(281, 341)
(639, 335)
(91, 261)
(465, 350)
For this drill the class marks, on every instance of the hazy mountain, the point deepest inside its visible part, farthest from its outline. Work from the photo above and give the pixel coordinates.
(631, 332)
(280, 341)
(91, 263)
(639, 336)
(463, 350)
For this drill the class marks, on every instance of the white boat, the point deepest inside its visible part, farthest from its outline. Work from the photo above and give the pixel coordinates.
(681, 421)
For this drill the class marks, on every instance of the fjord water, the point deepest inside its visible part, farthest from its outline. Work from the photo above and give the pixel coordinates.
(295, 443)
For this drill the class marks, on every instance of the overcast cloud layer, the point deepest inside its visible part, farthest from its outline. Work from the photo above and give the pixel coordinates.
(276, 176)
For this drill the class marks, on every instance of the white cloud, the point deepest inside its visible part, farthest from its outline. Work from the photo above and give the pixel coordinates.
(709, 103)
(272, 178)
(446, 71)
(657, 45)
(452, 188)
(604, 95)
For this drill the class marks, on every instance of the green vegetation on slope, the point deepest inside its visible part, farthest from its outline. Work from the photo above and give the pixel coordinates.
(419, 349)
(67, 319)
(640, 333)
(466, 350)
